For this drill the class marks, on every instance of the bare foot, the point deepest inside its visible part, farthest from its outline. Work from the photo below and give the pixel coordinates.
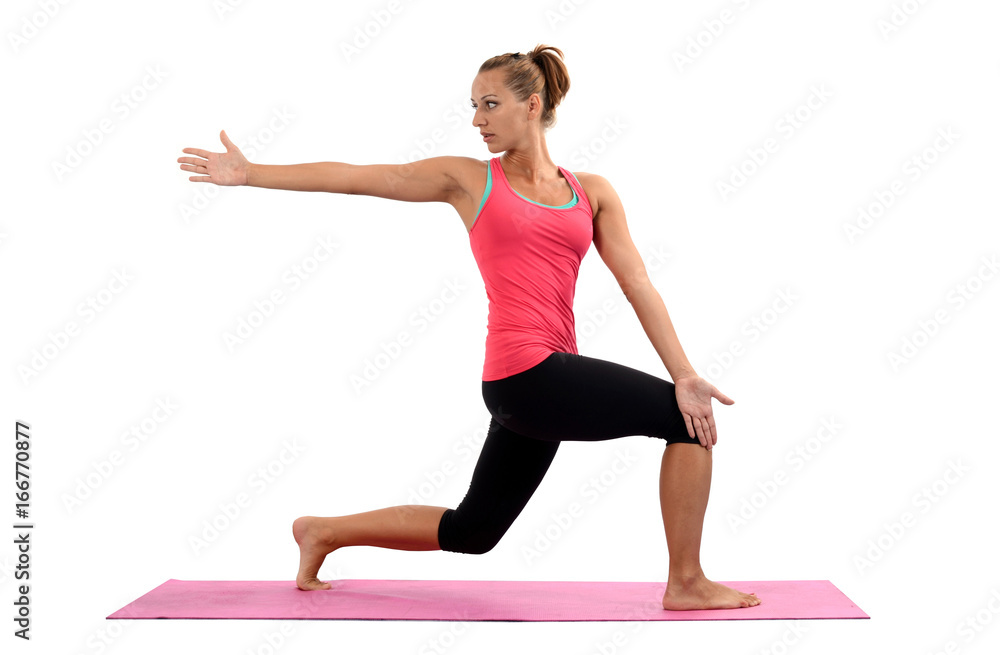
(315, 542)
(703, 594)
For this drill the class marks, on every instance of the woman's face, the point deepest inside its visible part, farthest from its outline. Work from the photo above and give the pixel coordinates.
(497, 112)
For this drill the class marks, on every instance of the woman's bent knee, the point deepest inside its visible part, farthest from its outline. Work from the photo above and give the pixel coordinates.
(458, 536)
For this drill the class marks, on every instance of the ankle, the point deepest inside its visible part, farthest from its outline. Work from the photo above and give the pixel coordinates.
(685, 576)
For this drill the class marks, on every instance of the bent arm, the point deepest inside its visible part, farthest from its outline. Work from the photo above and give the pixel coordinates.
(614, 244)
(427, 180)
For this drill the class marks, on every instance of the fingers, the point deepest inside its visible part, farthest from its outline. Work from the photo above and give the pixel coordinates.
(687, 422)
(705, 429)
(197, 151)
(704, 438)
(192, 165)
(705, 435)
(194, 169)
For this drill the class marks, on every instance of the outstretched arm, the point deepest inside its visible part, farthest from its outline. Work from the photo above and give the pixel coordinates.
(426, 180)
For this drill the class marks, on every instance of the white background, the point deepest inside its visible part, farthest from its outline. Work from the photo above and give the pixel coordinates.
(199, 256)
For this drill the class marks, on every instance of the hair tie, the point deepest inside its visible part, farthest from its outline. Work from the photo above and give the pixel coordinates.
(518, 55)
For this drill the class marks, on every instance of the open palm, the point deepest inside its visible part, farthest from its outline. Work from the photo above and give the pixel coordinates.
(227, 168)
(694, 399)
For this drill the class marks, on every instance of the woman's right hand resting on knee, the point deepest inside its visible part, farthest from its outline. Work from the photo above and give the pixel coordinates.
(694, 399)
(229, 168)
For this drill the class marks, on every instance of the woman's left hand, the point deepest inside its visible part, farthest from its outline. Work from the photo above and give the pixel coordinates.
(694, 398)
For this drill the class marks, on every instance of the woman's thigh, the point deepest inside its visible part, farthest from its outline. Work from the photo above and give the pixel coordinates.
(571, 397)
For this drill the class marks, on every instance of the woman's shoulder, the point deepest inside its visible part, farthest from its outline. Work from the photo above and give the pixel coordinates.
(595, 186)
(469, 172)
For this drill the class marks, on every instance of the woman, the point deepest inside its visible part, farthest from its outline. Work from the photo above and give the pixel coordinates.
(530, 223)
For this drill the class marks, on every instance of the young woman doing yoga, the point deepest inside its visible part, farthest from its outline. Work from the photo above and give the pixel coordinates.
(530, 222)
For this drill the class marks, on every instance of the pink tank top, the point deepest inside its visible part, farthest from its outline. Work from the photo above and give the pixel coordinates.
(529, 255)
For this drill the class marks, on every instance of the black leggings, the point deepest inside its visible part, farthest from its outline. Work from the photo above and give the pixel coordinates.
(566, 397)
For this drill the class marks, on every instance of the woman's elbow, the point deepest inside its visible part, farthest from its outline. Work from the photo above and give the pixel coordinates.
(635, 285)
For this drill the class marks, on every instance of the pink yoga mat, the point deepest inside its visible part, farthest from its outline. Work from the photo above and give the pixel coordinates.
(475, 600)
